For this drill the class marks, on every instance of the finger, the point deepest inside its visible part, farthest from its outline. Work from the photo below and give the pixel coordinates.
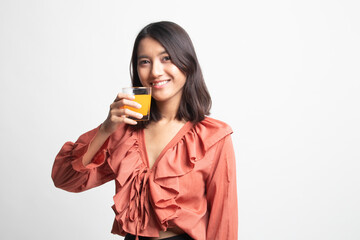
(130, 121)
(129, 113)
(125, 112)
(123, 119)
(124, 95)
(125, 102)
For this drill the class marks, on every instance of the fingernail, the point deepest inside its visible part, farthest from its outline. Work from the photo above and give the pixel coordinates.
(140, 115)
(139, 105)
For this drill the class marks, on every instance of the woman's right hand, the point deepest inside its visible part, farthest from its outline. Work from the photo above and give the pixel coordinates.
(118, 114)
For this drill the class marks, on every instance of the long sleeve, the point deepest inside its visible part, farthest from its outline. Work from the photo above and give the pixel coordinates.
(222, 194)
(70, 174)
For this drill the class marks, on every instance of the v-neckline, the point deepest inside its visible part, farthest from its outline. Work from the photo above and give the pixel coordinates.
(184, 129)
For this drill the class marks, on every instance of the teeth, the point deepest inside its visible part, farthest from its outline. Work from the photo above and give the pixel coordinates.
(159, 83)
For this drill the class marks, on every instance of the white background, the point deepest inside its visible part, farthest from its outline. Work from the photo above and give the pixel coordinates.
(283, 73)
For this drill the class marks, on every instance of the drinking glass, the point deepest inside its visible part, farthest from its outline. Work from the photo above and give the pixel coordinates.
(143, 97)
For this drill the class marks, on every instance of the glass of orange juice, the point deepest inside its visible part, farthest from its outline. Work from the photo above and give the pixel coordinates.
(143, 97)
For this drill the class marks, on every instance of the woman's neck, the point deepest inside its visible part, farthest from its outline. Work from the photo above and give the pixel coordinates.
(168, 111)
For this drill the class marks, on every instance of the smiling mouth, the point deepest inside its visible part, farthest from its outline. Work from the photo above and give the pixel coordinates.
(158, 84)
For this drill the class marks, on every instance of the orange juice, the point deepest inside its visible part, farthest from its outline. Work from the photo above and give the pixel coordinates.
(145, 101)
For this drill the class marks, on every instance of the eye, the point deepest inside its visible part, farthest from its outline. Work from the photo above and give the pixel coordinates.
(166, 58)
(143, 62)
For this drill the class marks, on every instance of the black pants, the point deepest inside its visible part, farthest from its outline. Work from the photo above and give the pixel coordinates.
(178, 237)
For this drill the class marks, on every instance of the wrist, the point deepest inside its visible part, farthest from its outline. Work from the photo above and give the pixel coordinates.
(104, 131)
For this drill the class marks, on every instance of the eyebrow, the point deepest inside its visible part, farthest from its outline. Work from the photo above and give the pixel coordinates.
(145, 56)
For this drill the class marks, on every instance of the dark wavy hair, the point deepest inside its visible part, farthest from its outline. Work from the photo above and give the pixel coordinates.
(195, 100)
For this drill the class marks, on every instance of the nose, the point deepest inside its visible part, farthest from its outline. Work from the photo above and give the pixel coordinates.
(157, 69)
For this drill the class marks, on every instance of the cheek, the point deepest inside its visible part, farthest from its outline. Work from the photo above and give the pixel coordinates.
(182, 78)
(178, 73)
(142, 74)
(174, 69)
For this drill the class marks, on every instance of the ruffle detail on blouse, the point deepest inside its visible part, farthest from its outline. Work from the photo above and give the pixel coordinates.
(197, 141)
(131, 203)
(138, 186)
(179, 160)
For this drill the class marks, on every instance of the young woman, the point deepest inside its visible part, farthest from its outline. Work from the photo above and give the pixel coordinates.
(175, 174)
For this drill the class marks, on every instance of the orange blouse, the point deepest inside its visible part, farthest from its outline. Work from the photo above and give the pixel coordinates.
(191, 185)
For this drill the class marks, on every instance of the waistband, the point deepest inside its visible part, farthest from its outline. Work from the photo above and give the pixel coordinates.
(177, 237)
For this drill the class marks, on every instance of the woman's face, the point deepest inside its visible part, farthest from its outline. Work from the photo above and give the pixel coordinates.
(156, 70)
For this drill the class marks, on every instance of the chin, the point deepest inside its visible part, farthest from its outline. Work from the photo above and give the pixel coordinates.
(158, 99)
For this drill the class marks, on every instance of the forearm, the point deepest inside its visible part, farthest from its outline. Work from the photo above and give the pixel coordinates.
(69, 171)
(98, 141)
